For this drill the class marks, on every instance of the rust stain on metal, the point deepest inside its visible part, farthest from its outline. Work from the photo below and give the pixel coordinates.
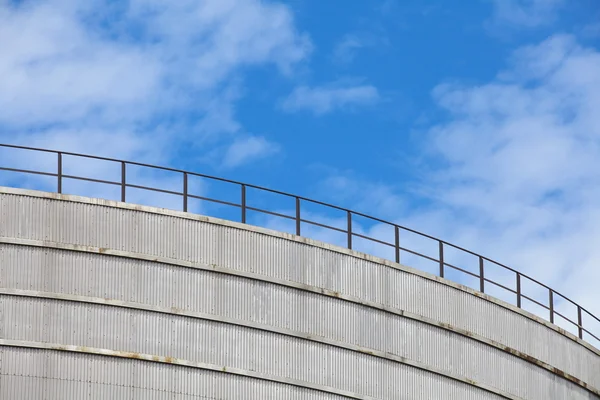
(131, 354)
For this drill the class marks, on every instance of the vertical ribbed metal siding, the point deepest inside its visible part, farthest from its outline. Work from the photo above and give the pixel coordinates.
(167, 236)
(270, 256)
(248, 300)
(219, 344)
(37, 374)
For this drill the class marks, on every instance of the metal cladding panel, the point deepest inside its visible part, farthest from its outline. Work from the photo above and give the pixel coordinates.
(280, 258)
(37, 374)
(271, 354)
(241, 299)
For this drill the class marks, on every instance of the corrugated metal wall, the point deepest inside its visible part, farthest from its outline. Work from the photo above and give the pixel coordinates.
(228, 311)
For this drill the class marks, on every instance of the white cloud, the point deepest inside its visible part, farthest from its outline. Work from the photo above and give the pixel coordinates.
(347, 48)
(345, 51)
(53, 70)
(137, 80)
(526, 13)
(246, 149)
(322, 100)
(591, 30)
(106, 66)
(349, 189)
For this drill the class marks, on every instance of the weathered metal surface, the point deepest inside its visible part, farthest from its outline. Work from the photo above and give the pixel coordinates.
(77, 373)
(308, 268)
(34, 313)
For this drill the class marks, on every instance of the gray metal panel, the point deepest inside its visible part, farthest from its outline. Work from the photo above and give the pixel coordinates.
(271, 256)
(216, 343)
(35, 374)
(257, 302)
(187, 239)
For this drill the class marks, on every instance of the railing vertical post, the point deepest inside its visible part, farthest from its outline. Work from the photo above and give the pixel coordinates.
(185, 192)
(481, 276)
(397, 244)
(350, 230)
(123, 181)
(59, 172)
(579, 322)
(243, 204)
(518, 290)
(298, 216)
(441, 259)
(551, 304)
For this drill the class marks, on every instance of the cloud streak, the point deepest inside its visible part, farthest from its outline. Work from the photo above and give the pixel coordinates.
(246, 149)
(526, 13)
(145, 68)
(323, 100)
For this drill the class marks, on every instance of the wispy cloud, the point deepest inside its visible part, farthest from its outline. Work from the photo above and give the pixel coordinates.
(140, 80)
(141, 71)
(324, 99)
(346, 49)
(526, 13)
(247, 149)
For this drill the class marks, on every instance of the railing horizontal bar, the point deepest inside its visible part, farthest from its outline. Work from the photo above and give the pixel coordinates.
(226, 203)
(535, 301)
(14, 146)
(565, 318)
(358, 214)
(324, 226)
(317, 202)
(576, 324)
(501, 286)
(373, 239)
(154, 189)
(139, 164)
(419, 254)
(567, 299)
(404, 228)
(269, 212)
(489, 260)
(591, 334)
(27, 171)
(81, 178)
(540, 284)
(588, 313)
(461, 270)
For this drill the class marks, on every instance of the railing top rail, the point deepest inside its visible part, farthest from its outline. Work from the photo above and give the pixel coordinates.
(350, 212)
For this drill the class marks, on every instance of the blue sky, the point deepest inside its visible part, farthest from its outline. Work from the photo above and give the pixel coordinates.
(474, 121)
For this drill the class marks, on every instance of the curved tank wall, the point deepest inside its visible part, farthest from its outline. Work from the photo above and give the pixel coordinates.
(100, 299)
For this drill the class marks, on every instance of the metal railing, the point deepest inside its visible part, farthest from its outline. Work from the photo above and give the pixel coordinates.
(244, 207)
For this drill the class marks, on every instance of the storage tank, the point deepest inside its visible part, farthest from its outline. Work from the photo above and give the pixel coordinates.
(108, 299)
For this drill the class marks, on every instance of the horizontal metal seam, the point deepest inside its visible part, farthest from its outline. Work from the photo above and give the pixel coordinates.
(179, 362)
(308, 288)
(261, 327)
(297, 239)
(102, 383)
